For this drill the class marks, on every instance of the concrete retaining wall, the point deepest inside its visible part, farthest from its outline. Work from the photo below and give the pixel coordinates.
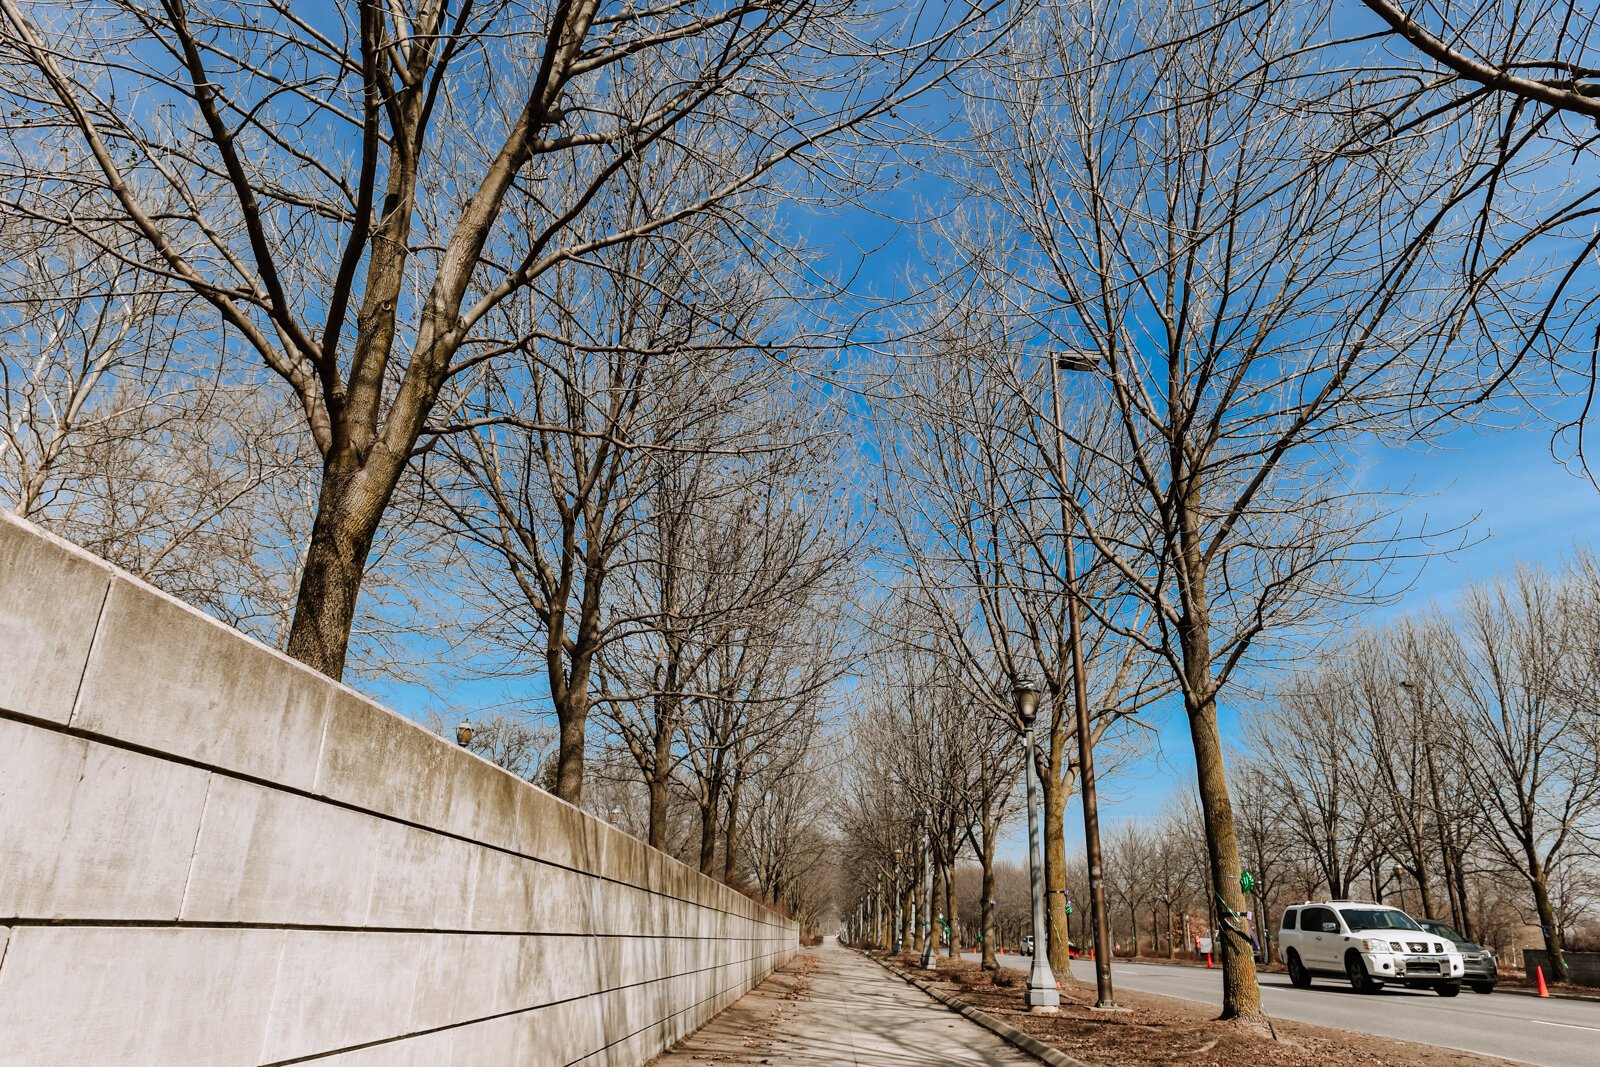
(211, 855)
(1583, 968)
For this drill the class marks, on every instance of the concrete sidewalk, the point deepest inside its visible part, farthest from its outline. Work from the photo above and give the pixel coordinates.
(831, 1006)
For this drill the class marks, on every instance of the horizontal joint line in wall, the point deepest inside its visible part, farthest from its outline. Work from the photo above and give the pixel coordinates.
(201, 924)
(720, 993)
(535, 1007)
(129, 746)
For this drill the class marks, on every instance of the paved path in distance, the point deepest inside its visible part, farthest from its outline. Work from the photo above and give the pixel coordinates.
(830, 1006)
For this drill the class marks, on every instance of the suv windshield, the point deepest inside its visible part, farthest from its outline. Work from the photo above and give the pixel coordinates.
(1376, 919)
(1441, 930)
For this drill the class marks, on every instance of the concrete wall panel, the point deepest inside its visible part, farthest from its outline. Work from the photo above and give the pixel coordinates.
(136, 996)
(50, 598)
(168, 678)
(89, 831)
(230, 859)
(270, 857)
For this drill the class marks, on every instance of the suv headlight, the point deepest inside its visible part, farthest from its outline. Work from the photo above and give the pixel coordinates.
(1372, 944)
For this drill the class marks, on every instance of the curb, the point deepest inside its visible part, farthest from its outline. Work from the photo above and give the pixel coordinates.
(1010, 1034)
(1513, 990)
(1519, 991)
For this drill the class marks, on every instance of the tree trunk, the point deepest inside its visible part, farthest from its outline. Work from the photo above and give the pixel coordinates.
(1056, 792)
(908, 923)
(658, 808)
(708, 835)
(1241, 997)
(1547, 920)
(661, 770)
(730, 847)
(350, 505)
(986, 859)
(952, 945)
(1425, 893)
(1468, 926)
(571, 700)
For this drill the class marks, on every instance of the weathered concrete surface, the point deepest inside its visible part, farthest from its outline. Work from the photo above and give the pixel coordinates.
(211, 855)
(829, 1007)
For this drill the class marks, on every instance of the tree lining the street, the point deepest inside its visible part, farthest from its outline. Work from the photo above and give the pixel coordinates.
(1259, 299)
(357, 193)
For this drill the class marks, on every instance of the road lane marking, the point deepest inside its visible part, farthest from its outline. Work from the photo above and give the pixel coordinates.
(1572, 1026)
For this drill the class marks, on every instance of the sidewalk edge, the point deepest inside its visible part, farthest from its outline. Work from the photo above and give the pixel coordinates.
(1004, 1030)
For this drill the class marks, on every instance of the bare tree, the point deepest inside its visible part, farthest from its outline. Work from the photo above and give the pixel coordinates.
(975, 506)
(357, 193)
(1323, 795)
(1193, 218)
(1513, 682)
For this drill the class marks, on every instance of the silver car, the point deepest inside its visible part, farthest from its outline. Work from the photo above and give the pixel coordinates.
(1479, 968)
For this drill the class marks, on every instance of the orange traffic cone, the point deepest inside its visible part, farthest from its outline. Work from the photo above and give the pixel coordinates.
(1208, 962)
(1544, 990)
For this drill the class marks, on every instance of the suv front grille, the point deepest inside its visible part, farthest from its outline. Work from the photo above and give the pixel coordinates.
(1417, 946)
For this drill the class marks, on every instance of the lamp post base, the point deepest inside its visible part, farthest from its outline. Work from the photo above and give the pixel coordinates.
(1042, 997)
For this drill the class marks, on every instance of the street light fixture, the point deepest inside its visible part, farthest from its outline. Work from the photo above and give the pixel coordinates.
(464, 732)
(1082, 362)
(1042, 996)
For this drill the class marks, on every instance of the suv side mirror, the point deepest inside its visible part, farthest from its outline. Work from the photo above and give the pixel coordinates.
(1330, 928)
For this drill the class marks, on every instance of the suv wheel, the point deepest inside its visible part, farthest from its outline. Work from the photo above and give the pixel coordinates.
(1299, 977)
(1483, 987)
(1448, 989)
(1360, 980)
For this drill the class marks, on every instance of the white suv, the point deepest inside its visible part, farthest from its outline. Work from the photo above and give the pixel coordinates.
(1367, 944)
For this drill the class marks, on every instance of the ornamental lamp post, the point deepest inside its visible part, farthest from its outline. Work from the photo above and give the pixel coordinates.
(1042, 996)
(896, 935)
(928, 934)
(464, 732)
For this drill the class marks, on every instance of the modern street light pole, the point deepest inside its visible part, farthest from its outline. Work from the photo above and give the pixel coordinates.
(895, 934)
(1042, 996)
(927, 880)
(1082, 361)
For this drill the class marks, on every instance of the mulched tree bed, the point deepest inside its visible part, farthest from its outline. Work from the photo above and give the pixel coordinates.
(1164, 1030)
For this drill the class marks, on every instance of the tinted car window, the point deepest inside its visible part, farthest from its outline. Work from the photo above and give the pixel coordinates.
(1377, 919)
(1313, 918)
(1288, 919)
(1441, 930)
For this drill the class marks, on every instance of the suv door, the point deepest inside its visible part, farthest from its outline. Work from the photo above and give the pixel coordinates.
(1320, 947)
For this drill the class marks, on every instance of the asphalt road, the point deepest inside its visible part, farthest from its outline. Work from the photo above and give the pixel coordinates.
(1550, 1033)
